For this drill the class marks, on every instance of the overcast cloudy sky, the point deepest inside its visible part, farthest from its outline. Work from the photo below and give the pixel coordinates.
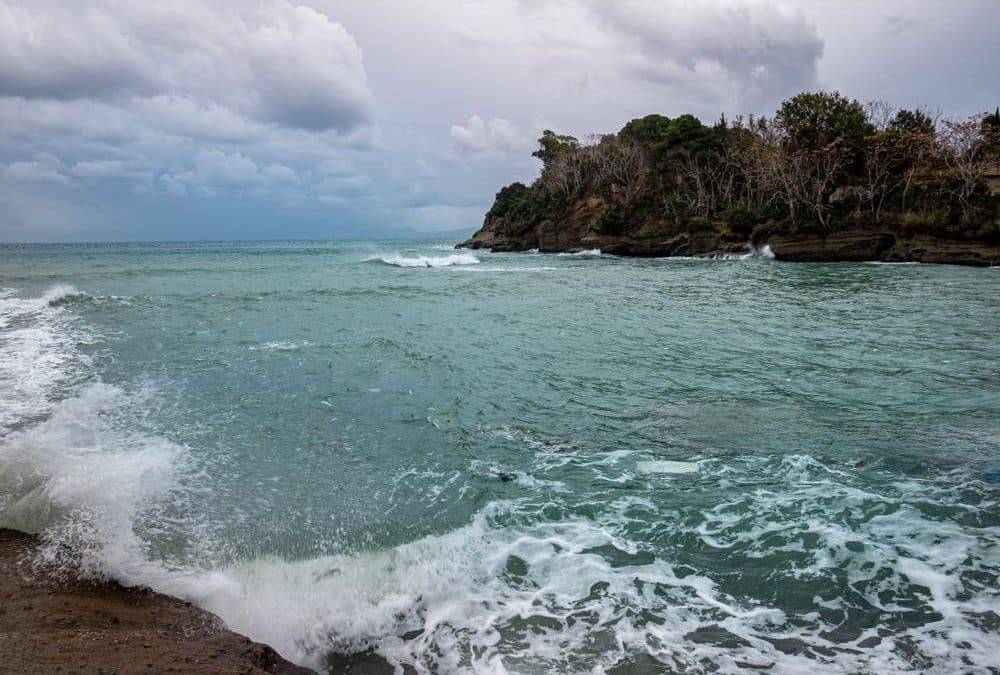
(124, 120)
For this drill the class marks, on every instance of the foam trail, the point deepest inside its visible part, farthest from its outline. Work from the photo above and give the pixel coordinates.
(38, 352)
(399, 260)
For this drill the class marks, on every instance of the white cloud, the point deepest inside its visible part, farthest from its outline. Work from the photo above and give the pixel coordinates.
(44, 168)
(480, 137)
(190, 63)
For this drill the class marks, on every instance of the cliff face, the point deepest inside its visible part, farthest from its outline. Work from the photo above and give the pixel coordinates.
(583, 226)
(880, 245)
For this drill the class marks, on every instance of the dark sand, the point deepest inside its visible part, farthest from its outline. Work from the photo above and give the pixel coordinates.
(55, 625)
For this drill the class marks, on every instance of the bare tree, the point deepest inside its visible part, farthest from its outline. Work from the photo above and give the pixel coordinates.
(880, 114)
(962, 148)
(616, 161)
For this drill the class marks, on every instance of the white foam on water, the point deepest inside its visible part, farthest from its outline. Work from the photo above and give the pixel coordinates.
(280, 346)
(38, 351)
(750, 253)
(510, 593)
(516, 599)
(667, 466)
(505, 270)
(589, 253)
(399, 260)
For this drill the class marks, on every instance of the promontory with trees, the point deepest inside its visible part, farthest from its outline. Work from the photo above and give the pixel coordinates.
(827, 178)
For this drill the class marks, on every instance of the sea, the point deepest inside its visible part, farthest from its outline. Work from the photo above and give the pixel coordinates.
(408, 458)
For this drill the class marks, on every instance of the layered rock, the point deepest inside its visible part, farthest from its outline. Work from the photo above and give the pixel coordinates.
(581, 228)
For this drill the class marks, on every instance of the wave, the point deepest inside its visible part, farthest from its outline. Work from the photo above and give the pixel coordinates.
(510, 593)
(39, 351)
(280, 346)
(589, 253)
(399, 260)
(81, 482)
(512, 269)
(752, 252)
(510, 590)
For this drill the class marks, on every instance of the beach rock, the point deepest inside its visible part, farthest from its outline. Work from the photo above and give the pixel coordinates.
(73, 625)
(837, 246)
(925, 249)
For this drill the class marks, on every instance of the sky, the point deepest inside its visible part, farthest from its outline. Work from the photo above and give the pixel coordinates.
(274, 119)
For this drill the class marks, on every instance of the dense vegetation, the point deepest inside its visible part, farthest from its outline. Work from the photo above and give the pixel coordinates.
(822, 162)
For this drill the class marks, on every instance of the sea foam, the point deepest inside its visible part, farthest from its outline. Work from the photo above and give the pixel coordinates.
(39, 344)
(399, 260)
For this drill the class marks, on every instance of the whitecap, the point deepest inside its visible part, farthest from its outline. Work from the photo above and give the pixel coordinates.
(667, 466)
(588, 253)
(280, 346)
(38, 352)
(399, 260)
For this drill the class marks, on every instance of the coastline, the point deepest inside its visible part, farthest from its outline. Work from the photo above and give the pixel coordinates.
(848, 245)
(57, 624)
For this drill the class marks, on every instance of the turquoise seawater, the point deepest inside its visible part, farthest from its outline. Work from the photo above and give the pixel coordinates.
(466, 462)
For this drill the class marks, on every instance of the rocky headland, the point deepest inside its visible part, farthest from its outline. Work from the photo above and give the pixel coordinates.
(827, 179)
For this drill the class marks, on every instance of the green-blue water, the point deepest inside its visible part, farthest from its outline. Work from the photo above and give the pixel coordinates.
(518, 463)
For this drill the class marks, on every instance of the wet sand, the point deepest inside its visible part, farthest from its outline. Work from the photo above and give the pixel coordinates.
(59, 625)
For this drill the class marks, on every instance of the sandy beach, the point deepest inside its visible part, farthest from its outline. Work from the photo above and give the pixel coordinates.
(57, 625)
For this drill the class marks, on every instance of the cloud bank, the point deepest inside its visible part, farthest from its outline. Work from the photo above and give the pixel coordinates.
(269, 118)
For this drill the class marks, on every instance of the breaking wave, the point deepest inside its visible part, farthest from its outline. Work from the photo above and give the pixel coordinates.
(589, 253)
(399, 260)
(812, 569)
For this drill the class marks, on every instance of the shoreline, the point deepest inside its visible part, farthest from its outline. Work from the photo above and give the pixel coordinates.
(847, 245)
(61, 624)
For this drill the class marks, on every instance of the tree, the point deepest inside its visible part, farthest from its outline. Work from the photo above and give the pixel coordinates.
(964, 150)
(615, 161)
(646, 132)
(912, 122)
(814, 121)
(991, 132)
(553, 145)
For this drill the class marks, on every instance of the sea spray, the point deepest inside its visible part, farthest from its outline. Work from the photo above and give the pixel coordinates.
(82, 484)
(399, 260)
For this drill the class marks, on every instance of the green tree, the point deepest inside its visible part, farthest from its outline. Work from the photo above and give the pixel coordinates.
(646, 132)
(992, 122)
(815, 120)
(991, 132)
(552, 145)
(912, 122)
